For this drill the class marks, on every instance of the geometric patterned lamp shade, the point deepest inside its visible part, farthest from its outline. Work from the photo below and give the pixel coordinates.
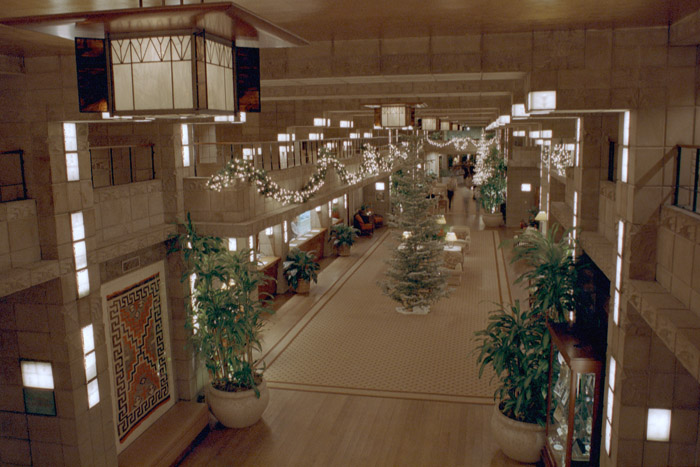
(188, 72)
(176, 74)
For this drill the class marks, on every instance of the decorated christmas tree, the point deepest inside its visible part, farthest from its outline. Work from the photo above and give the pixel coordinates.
(413, 278)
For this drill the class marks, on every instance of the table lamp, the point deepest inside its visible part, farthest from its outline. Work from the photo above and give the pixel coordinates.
(441, 219)
(451, 237)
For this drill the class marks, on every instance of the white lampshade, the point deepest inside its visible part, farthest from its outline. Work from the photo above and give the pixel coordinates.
(441, 219)
(541, 216)
(451, 237)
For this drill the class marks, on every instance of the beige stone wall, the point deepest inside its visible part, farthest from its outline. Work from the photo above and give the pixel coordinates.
(19, 234)
(678, 266)
(127, 209)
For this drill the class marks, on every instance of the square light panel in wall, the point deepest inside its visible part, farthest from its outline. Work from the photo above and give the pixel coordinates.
(541, 102)
(231, 244)
(658, 425)
(526, 187)
(379, 186)
(37, 374)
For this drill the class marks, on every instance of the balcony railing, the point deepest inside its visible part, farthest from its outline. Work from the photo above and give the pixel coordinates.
(118, 165)
(686, 189)
(13, 186)
(276, 155)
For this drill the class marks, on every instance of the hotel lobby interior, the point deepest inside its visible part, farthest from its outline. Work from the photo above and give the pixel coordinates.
(268, 123)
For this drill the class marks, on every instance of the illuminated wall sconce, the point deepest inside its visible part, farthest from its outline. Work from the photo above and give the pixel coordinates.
(379, 186)
(658, 424)
(541, 102)
(37, 379)
(525, 187)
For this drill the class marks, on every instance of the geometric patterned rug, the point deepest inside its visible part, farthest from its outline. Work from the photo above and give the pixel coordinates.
(356, 343)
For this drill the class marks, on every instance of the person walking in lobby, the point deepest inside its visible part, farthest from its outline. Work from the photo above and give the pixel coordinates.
(451, 187)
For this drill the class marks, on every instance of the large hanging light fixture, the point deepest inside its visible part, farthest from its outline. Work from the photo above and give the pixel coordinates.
(186, 60)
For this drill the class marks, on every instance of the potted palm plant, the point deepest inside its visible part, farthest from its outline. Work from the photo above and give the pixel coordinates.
(224, 315)
(515, 344)
(343, 237)
(552, 272)
(301, 270)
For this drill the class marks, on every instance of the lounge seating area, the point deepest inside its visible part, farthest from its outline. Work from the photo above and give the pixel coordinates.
(366, 227)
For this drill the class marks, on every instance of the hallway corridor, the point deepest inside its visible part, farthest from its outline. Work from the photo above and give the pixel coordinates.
(355, 383)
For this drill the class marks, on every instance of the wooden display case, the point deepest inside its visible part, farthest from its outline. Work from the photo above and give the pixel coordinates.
(574, 399)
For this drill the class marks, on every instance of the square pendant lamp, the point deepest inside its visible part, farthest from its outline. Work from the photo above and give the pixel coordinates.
(169, 61)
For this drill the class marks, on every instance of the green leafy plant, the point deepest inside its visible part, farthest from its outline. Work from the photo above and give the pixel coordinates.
(300, 265)
(551, 275)
(515, 344)
(342, 234)
(492, 192)
(224, 313)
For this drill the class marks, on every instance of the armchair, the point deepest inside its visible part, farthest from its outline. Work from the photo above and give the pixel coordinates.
(362, 226)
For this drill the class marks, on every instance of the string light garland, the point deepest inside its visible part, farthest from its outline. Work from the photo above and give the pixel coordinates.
(482, 169)
(558, 158)
(241, 170)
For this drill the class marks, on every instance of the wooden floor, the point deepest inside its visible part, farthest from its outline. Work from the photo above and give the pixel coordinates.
(311, 427)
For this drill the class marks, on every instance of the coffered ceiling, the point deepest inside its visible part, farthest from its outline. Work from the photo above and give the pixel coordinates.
(324, 20)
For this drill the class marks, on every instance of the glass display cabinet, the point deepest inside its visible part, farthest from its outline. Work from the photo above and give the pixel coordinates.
(574, 399)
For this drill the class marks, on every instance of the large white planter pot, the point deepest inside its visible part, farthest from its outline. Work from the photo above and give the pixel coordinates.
(520, 441)
(238, 409)
(492, 220)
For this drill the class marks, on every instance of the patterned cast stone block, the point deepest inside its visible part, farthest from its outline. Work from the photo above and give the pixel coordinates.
(688, 350)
